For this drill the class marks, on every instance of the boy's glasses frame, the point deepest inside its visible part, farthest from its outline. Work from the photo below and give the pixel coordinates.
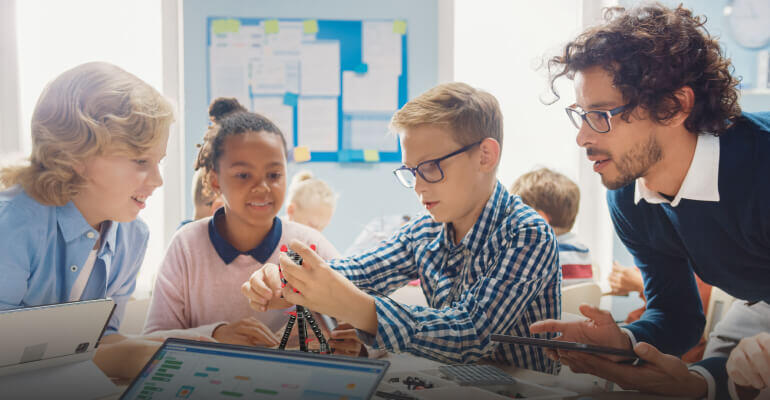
(429, 170)
(599, 121)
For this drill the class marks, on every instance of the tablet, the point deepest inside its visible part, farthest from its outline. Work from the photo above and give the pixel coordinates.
(54, 331)
(559, 345)
(185, 369)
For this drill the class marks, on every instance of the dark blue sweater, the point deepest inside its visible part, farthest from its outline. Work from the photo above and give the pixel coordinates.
(727, 243)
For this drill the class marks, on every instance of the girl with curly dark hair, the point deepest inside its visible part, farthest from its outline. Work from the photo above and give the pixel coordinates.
(657, 112)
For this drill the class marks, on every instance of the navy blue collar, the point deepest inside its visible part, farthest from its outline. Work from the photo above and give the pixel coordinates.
(228, 253)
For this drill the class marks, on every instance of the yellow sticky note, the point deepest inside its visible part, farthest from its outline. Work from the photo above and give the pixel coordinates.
(219, 26)
(225, 26)
(371, 155)
(234, 25)
(301, 154)
(399, 26)
(310, 26)
(271, 26)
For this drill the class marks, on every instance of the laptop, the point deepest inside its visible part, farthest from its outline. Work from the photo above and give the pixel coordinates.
(184, 369)
(46, 351)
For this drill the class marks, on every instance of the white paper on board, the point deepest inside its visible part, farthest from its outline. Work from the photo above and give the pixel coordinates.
(320, 68)
(372, 91)
(280, 114)
(317, 123)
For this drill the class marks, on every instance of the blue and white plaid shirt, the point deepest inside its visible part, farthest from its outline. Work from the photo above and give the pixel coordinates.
(503, 276)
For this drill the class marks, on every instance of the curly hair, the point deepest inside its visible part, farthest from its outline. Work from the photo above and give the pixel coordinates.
(90, 110)
(230, 118)
(651, 52)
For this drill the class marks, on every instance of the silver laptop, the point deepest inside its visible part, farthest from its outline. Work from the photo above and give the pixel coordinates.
(184, 369)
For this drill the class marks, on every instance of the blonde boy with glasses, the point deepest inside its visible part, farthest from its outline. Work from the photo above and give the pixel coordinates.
(487, 262)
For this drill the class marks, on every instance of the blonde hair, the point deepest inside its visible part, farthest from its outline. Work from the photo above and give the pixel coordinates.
(90, 110)
(306, 191)
(552, 193)
(470, 114)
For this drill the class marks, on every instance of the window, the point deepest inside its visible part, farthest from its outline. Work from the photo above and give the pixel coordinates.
(498, 45)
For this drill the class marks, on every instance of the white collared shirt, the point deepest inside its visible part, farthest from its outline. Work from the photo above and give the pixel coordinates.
(701, 182)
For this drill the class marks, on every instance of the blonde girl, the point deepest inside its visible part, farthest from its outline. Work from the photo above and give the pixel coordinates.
(311, 201)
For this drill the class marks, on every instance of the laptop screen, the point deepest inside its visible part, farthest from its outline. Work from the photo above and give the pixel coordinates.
(183, 369)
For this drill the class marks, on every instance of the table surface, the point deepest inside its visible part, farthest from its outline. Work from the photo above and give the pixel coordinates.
(587, 386)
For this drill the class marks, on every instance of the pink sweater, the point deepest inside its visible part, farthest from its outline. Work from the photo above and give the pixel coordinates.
(195, 290)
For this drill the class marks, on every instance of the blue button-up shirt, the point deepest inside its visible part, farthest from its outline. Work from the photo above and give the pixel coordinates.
(44, 248)
(502, 276)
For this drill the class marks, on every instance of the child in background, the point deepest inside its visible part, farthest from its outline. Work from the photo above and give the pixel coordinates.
(69, 218)
(311, 201)
(486, 261)
(243, 160)
(557, 198)
(376, 231)
(205, 201)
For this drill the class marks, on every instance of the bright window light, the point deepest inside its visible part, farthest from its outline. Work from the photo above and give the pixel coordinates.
(498, 45)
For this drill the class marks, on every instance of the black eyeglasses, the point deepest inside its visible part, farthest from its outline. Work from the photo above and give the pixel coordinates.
(597, 120)
(429, 170)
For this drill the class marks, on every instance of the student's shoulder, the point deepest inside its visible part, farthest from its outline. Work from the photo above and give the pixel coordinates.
(521, 216)
(420, 228)
(192, 232)
(294, 230)
(21, 213)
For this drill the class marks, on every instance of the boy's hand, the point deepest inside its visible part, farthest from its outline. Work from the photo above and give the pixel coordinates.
(263, 289)
(625, 279)
(325, 290)
(344, 340)
(248, 331)
(600, 329)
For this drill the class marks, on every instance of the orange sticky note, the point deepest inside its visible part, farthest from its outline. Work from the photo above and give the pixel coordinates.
(301, 154)
(371, 155)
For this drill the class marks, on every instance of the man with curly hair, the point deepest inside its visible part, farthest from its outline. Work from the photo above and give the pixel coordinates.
(657, 112)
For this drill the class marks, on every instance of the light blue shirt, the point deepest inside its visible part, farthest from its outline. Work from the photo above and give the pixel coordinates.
(45, 247)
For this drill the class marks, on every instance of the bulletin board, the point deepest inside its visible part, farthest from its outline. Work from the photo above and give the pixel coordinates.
(331, 86)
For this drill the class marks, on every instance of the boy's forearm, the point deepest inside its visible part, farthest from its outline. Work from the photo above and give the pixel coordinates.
(113, 338)
(359, 310)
